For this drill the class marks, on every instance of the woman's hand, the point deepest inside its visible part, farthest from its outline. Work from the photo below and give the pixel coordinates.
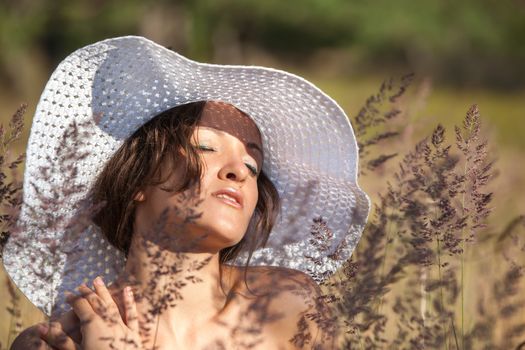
(44, 336)
(61, 334)
(65, 333)
(101, 323)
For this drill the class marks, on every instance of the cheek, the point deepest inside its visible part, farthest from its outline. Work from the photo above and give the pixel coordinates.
(254, 197)
(155, 204)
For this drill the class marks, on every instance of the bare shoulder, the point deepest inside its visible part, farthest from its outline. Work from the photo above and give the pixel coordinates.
(277, 279)
(305, 321)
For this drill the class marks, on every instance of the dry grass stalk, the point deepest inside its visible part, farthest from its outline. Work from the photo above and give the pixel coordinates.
(416, 238)
(10, 199)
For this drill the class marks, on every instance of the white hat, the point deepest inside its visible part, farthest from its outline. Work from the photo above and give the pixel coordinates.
(310, 154)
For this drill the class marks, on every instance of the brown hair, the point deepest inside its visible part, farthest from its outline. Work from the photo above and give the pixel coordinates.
(137, 163)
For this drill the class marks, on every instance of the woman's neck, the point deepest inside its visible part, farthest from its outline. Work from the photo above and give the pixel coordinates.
(176, 289)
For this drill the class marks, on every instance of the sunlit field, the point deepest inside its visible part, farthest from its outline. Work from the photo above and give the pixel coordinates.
(423, 106)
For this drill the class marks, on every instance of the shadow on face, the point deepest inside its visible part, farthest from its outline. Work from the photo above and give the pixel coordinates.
(215, 213)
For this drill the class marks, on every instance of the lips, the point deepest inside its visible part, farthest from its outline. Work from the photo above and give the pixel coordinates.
(230, 196)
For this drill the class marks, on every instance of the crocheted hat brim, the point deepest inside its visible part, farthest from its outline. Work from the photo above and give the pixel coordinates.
(310, 155)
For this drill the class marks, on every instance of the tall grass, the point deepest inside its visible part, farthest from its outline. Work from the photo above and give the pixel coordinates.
(409, 283)
(406, 285)
(10, 200)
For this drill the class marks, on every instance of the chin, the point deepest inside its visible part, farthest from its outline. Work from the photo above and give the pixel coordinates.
(224, 235)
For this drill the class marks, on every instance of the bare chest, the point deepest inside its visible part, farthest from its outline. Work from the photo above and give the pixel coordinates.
(246, 325)
(210, 339)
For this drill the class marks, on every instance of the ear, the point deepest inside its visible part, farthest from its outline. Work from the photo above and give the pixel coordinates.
(139, 197)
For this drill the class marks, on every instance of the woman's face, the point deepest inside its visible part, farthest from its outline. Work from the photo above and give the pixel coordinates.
(217, 217)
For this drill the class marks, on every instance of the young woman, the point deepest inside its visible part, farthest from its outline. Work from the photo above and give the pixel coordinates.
(201, 191)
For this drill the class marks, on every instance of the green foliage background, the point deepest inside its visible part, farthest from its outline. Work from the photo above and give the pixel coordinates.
(466, 42)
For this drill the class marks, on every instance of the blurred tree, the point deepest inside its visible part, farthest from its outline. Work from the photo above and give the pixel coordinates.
(42, 32)
(467, 42)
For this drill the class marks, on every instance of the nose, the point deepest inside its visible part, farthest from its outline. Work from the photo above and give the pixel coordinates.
(234, 170)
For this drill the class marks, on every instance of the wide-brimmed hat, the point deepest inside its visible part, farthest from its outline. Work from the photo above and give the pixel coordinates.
(310, 154)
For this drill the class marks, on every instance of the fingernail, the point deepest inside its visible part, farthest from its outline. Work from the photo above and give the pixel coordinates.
(69, 296)
(43, 328)
(98, 281)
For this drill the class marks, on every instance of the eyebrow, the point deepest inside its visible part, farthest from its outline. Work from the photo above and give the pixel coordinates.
(256, 147)
(252, 145)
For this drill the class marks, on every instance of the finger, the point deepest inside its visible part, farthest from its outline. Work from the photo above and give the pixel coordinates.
(116, 294)
(97, 304)
(132, 320)
(108, 312)
(103, 292)
(81, 307)
(56, 337)
(112, 300)
(71, 325)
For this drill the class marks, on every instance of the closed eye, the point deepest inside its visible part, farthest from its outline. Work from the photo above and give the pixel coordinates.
(205, 148)
(252, 169)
